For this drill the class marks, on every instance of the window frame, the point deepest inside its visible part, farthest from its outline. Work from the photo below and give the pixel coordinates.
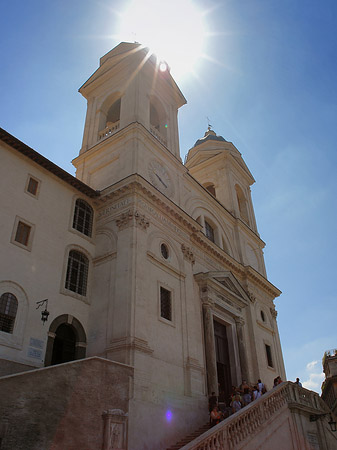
(28, 245)
(32, 177)
(85, 275)
(75, 217)
(170, 321)
(209, 227)
(269, 355)
(15, 339)
(8, 306)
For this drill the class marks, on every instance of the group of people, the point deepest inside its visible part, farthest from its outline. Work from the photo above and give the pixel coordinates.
(220, 408)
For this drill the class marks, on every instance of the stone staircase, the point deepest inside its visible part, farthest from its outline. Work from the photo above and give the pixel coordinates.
(186, 440)
(279, 420)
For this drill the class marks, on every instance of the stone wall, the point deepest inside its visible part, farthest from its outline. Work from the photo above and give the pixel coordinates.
(11, 367)
(60, 407)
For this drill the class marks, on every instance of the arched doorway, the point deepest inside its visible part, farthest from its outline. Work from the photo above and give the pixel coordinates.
(66, 341)
(64, 348)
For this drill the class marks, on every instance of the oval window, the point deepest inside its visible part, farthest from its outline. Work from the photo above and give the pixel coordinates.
(164, 251)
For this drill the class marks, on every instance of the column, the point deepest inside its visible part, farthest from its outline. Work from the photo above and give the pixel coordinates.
(212, 377)
(242, 352)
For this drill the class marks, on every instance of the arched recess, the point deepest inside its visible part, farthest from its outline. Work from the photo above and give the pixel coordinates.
(242, 204)
(154, 241)
(110, 111)
(200, 212)
(252, 257)
(60, 332)
(158, 116)
(106, 243)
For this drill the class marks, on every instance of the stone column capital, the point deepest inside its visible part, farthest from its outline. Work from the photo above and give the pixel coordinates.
(273, 313)
(240, 321)
(130, 218)
(188, 254)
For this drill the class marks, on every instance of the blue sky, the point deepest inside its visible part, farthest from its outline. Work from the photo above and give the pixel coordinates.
(268, 83)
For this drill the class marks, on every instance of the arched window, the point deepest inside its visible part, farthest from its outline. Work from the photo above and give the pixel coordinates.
(242, 203)
(154, 117)
(8, 309)
(77, 272)
(158, 120)
(83, 217)
(114, 113)
(209, 231)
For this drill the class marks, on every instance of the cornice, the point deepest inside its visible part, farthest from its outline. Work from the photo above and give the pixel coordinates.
(28, 152)
(136, 184)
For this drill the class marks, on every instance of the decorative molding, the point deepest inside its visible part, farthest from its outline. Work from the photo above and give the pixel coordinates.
(252, 297)
(129, 343)
(239, 321)
(188, 254)
(104, 258)
(273, 312)
(132, 218)
(193, 363)
(136, 184)
(164, 265)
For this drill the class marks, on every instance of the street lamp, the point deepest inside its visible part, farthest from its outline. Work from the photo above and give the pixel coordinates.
(44, 312)
(332, 423)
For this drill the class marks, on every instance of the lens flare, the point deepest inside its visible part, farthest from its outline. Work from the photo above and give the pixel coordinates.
(176, 33)
(168, 415)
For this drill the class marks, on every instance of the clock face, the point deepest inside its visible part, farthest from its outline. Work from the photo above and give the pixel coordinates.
(160, 178)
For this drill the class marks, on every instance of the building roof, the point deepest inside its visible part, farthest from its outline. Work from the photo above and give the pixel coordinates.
(210, 135)
(27, 151)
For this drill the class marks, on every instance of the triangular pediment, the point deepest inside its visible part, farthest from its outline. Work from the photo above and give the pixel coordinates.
(225, 283)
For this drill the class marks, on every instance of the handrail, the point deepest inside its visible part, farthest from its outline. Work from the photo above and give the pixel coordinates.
(246, 422)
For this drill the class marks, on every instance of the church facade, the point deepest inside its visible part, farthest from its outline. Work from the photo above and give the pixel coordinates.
(145, 261)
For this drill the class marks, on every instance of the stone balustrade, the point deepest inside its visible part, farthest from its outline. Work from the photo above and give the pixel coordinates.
(158, 135)
(232, 432)
(108, 131)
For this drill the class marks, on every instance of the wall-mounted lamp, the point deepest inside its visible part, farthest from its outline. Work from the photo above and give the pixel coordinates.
(44, 312)
(332, 423)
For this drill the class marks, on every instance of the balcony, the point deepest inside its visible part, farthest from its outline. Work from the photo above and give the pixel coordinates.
(109, 130)
(158, 135)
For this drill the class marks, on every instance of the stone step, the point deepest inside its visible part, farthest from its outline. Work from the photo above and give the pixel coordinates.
(189, 437)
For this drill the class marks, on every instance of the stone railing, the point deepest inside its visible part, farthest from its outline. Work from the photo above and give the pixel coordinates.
(158, 135)
(108, 131)
(249, 420)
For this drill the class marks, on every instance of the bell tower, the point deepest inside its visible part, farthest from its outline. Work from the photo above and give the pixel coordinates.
(132, 106)
(219, 167)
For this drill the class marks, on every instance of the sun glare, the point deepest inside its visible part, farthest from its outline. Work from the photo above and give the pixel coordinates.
(173, 30)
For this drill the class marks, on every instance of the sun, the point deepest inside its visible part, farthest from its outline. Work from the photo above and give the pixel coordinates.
(174, 30)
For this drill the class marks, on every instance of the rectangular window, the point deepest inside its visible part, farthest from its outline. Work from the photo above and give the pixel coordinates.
(269, 356)
(22, 233)
(32, 186)
(209, 231)
(165, 304)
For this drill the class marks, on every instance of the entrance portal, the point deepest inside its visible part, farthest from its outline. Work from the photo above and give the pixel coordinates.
(64, 348)
(66, 340)
(222, 360)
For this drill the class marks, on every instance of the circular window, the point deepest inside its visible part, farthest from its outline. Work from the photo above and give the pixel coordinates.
(263, 316)
(164, 251)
